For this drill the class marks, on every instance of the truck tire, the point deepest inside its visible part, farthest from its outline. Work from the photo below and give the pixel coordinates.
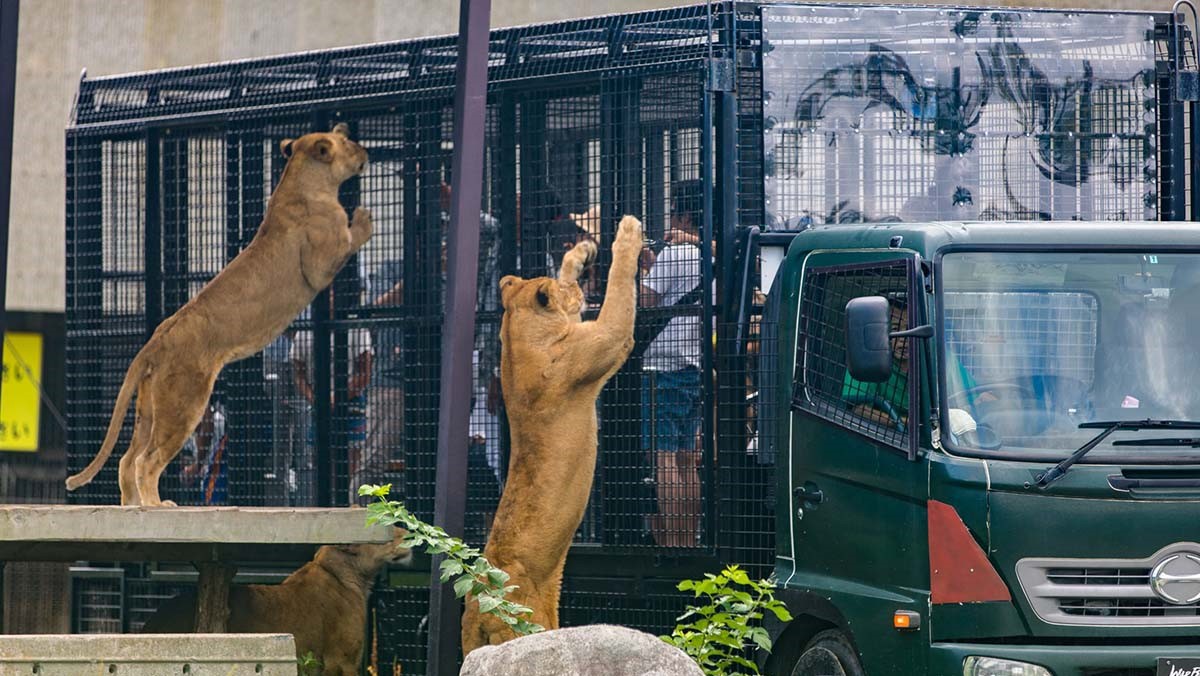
(829, 653)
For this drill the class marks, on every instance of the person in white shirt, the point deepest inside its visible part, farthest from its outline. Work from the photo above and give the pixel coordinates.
(671, 375)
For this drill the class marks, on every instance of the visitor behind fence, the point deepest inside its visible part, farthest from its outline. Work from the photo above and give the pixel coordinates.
(384, 446)
(352, 426)
(204, 453)
(671, 374)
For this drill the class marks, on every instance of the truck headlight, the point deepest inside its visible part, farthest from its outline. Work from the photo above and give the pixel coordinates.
(994, 666)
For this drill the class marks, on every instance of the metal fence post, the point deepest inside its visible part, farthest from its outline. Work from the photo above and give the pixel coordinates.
(458, 337)
(322, 375)
(9, 12)
(153, 253)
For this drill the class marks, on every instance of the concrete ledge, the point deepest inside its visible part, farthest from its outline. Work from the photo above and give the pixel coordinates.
(112, 533)
(149, 655)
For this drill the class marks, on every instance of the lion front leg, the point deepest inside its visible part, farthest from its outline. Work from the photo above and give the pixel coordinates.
(620, 299)
(360, 229)
(608, 341)
(619, 310)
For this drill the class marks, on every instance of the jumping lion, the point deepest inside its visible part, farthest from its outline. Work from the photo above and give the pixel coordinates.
(552, 367)
(299, 248)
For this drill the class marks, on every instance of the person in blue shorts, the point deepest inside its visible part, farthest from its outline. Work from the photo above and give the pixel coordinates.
(671, 375)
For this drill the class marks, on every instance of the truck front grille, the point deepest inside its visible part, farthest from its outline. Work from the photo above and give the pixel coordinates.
(1097, 592)
(1099, 576)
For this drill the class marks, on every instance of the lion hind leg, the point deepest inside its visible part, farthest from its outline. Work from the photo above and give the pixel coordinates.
(175, 417)
(138, 446)
(495, 631)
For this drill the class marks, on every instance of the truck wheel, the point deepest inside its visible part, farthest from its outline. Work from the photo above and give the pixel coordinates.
(829, 653)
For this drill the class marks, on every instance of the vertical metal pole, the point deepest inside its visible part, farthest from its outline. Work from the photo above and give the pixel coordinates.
(727, 427)
(322, 376)
(9, 10)
(241, 389)
(342, 364)
(458, 337)
(708, 424)
(1178, 163)
(533, 186)
(1193, 137)
(152, 265)
(506, 174)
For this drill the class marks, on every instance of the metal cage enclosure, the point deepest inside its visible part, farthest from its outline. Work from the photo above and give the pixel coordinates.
(725, 114)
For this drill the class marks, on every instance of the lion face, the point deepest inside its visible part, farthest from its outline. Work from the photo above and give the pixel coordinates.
(369, 558)
(535, 302)
(332, 155)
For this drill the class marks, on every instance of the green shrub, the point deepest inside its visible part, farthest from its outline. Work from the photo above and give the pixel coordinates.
(308, 665)
(727, 622)
(471, 571)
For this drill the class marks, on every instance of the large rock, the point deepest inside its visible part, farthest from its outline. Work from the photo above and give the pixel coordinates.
(591, 650)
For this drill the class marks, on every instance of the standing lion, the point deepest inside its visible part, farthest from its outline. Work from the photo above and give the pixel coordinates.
(552, 367)
(299, 248)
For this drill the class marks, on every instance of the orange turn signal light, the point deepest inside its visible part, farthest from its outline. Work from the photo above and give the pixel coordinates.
(906, 620)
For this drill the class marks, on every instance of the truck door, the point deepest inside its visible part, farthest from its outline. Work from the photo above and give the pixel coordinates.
(857, 483)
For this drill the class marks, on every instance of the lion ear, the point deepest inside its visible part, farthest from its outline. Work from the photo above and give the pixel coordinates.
(285, 147)
(508, 285)
(323, 150)
(543, 293)
(342, 128)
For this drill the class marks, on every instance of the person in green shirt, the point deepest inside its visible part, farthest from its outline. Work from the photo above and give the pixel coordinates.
(886, 403)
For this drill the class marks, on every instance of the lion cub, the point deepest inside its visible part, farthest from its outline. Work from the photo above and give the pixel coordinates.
(552, 367)
(302, 243)
(323, 604)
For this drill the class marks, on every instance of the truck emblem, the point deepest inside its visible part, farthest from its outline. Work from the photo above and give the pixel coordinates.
(1176, 579)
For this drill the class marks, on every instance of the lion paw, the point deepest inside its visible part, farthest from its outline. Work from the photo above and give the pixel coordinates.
(630, 238)
(160, 503)
(589, 250)
(630, 228)
(360, 228)
(361, 219)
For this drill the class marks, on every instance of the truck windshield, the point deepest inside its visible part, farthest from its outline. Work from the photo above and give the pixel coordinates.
(1038, 343)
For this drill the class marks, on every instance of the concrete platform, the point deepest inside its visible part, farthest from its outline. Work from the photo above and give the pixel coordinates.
(113, 533)
(149, 655)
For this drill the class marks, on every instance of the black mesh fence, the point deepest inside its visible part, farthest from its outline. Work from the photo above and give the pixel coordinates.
(866, 123)
(702, 121)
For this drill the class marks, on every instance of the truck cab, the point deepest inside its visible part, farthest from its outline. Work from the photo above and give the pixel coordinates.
(988, 454)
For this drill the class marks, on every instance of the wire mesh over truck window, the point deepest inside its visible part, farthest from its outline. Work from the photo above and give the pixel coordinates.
(1001, 335)
(824, 385)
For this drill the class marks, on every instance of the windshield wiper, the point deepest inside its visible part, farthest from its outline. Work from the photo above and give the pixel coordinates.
(1193, 442)
(1108, 427)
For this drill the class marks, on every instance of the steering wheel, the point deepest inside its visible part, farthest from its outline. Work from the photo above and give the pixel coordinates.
(983, 437)
(1026, 392)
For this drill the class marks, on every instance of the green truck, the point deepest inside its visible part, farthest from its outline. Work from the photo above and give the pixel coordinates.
(988, 449)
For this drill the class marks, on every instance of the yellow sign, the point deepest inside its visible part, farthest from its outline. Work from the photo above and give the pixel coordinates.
(20, 405)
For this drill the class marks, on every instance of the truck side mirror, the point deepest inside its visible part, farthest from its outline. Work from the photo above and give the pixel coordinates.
(868, 347)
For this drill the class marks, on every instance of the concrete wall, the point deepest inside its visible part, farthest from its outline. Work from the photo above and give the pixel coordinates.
(58, 38)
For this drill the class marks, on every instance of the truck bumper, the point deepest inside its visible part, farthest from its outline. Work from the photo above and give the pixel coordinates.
(946, 659)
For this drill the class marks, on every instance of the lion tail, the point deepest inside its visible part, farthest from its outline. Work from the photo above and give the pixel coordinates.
(133, 378)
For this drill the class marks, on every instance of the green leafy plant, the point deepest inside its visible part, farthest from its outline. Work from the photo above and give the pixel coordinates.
(472, 573)
(727, 622)
(309, 665)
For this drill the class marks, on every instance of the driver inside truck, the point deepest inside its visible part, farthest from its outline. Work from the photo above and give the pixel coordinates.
(886, 403)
